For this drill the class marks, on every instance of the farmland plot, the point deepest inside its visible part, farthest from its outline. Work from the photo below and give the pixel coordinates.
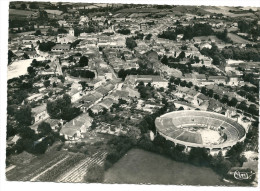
(78, 172)
(25, 172)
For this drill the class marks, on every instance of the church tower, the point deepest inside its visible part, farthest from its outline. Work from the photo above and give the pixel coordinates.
(71, 32)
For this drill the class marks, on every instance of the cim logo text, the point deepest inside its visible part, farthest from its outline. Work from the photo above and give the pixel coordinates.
(243, 175)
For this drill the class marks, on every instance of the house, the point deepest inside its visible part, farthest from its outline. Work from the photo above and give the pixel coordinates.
(40, 113)
(233, 80)
(155, 80)
(200, 99)
(54, 123)
(60, 48)
(107, 103)
(35, 97)
(218, 79)
(184, 105)
(97, 109)
(74, 94)
(13, 140)
(74, 129)
(120, 94)
(215, 105)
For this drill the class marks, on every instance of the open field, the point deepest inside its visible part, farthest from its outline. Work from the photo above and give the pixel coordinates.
(19, 13)
(139, 166)
(237, 39)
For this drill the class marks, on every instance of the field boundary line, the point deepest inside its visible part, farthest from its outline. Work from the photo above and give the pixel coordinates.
(51, 167)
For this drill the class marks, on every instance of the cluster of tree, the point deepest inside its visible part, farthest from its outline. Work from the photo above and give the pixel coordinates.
(252, 136)
(42, 17)
(39, 64)
(223, 36)
(140, 71)
(252, 109)
(130, 43)
(148, 37)
(188, 32)
(62, 30)
(46, 46)
(147, 91)
(61, 108)
(105, 10)
(251, 78)
(116, 106)
(233, 102)
(13, 23)
(33, 5)
(215, 54)
(21, 89)
(124, 31)
(51, 32)
(32, 142)
(250, 27)
(119, 146)
(24, 115)
(246, 91)
(139, 36)
(235, 53)
(82, 73)
(148, 122)
(185, 68)
(171, 35)
(178, 81)
(197, 29)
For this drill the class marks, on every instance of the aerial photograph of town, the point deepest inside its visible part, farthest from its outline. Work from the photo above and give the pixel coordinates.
(132, 94)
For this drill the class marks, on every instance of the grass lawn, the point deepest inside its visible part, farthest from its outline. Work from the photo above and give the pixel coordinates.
(143, 167)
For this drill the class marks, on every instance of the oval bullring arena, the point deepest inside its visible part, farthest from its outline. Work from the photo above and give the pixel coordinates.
(193, 128)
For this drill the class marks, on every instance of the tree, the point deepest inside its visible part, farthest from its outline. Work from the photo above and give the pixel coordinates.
(38, 33)
(216, 96)
(148, 37)
(95, 174)
(23, 6)
(33, 5)
(44, 128)
(216, 60)
(210, 93)
(181, 55)
(130, 43)
(204, 90)
(46, 46)
(26, 56)
(224, 99)
(242, 106)
(233, 102)
(83, 61)
(47, 83)
(164, 60)
(31, 71)
(24, 115)
(252, 109)
(50, 31)
(61, 30)
(124, 31)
